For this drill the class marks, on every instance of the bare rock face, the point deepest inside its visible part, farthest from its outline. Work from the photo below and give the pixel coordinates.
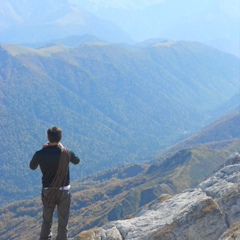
(210, 212)
(232, 233)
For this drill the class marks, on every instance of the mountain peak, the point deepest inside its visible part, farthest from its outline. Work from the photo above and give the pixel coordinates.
(209, 211)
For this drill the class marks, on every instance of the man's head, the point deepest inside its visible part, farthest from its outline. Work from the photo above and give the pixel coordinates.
(54, 134)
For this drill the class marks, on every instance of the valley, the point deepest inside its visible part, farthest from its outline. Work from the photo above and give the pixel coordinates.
(115, 104)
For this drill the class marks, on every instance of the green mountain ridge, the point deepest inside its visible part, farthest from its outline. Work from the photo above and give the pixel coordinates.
(116, 105)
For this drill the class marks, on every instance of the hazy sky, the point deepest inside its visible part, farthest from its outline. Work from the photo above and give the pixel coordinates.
(124, 4)
(93, 5)
(144, 19)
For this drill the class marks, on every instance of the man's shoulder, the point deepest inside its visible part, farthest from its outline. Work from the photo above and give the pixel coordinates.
(43, 150)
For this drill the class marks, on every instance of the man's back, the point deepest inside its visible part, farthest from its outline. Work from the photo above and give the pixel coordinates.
(48, 160)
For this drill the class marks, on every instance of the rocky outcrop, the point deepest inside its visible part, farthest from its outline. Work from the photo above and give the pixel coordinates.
(210, 212)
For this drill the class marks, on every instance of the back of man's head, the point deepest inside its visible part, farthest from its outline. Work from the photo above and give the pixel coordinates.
(54, 134)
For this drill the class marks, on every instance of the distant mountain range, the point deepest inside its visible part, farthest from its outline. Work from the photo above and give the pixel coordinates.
(215, 22)
(115, 104)
(34, 23)
(31, 22)
(129, 191)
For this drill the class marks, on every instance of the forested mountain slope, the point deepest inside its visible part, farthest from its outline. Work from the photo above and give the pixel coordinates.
(115, 104)
(219, 133)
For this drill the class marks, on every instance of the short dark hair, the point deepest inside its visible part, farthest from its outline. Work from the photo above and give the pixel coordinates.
(54, 134)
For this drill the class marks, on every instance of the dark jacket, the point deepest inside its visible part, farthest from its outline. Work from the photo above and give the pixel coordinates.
(48, 159)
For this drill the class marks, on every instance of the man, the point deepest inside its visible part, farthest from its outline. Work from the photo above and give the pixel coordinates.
(53, 160)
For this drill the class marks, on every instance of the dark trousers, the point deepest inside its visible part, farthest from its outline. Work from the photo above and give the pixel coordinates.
(63, 207)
